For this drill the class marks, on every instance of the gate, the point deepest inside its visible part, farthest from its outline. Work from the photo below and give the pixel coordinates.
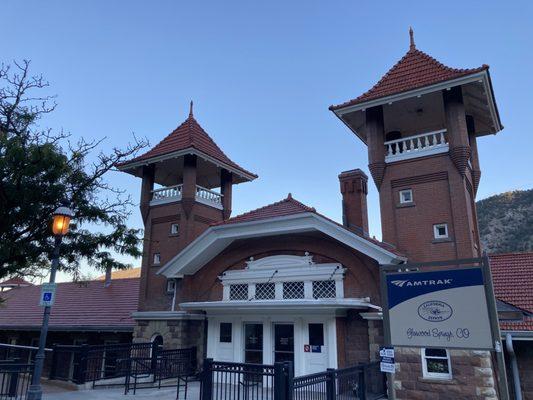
(15, 380)
(150, 372)
(242, 381)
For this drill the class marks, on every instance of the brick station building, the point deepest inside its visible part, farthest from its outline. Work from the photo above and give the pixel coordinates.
(285, 282)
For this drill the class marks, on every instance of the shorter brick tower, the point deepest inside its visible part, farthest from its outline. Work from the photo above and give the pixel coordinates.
(186, 185)
(421, 122)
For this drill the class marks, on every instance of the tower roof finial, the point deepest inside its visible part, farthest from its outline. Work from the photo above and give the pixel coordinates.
(190, 109)
(411, 38)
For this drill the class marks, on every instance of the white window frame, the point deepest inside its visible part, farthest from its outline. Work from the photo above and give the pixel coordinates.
(157, 259)
(176, 230)
(282, 269)
(436, 231)
(402, 199)
(436, 375)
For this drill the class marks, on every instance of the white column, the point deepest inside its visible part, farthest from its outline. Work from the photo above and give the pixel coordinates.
(331, 338)
(308, 289)
(225, 292)
(279, 290)
(212, 327)
(251, 291)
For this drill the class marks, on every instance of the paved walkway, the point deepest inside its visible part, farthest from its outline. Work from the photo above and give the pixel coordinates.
(57, 393)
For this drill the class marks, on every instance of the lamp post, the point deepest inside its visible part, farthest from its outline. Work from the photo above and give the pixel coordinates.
(60, 227)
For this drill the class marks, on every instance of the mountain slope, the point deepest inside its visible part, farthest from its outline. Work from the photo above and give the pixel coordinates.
(506, 222)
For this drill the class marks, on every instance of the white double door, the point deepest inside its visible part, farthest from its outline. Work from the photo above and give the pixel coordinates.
(308, 342)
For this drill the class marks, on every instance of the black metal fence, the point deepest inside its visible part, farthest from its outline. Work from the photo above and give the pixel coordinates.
(151, 372)
(238, 381)
(134, 365)
(14, 380)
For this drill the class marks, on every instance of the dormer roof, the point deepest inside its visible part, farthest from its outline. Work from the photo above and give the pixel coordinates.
(188, 138)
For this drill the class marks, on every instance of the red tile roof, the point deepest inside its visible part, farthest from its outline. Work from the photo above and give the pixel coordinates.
(283, 208)
(87, 305)
(123, 274)
(189, 135)
(291, 206)
(415, 70)
(16, 281)
(512, 276)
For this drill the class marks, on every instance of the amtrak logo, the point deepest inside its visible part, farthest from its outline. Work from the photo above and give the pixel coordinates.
(435, 311)
(429, 282)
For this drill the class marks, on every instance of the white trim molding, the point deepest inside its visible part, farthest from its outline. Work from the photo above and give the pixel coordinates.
(216, 238)
(289, 306)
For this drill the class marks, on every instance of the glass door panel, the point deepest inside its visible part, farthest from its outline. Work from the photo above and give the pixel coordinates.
(283, 342)
(253, 343)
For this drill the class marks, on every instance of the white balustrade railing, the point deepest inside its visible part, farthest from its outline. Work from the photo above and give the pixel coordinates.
(416, 146)
(208, 196)
(174, 193)
(167, 192)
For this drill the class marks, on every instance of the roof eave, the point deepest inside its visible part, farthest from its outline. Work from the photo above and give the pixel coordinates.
(216, 238)
(484, 75)
(128, 166)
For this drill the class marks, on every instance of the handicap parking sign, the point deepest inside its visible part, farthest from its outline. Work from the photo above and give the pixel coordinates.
(48, 291)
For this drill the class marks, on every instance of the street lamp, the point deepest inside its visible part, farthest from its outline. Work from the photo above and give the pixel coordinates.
(60, 226)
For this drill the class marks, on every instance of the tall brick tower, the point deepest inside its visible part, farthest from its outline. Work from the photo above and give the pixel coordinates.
(186, 185)
(421, 122)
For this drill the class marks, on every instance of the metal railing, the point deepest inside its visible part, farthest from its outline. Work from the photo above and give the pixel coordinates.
(151, 372)
(15, 380)
(95, 363)
(241, 381)
(237, 381)
(416, 146)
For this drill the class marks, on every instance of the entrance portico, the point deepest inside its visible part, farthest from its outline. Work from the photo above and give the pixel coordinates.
(280, 308)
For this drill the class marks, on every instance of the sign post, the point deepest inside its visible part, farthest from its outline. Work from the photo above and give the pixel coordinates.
(447, 304)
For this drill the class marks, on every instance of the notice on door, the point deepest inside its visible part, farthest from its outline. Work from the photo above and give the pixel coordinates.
(446, 308)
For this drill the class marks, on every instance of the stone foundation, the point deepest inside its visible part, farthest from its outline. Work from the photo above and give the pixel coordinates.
(176, 334)
(472, 377)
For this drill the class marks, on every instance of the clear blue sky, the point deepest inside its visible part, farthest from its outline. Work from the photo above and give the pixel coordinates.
(262, 75)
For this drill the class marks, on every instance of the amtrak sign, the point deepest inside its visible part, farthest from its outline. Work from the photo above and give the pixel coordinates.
(443, 308)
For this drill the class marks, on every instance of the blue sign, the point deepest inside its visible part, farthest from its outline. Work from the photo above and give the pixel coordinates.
(446, 308)
(316, 349)
(48, 291)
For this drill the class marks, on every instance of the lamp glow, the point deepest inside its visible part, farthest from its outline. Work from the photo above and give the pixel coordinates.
(61, 221)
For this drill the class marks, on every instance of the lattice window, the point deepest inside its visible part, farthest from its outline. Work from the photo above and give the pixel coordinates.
(238, 292)
(265, 291)
(324, 289)
(293, 290)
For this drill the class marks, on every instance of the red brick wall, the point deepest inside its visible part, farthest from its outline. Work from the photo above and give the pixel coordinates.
(158, 239)
(361, 278)
(440, 195)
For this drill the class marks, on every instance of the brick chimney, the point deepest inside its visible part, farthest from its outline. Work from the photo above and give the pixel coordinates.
(354, 190)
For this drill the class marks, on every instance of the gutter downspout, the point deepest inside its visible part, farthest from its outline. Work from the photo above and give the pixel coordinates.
(514, 366)
(174, 296)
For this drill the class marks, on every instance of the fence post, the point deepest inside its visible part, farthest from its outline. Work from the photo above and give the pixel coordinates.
(53, 367)
(362, 384)
(289, 379)
(82, 366)
(206, 388)
(330, 384)
(280, 389)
